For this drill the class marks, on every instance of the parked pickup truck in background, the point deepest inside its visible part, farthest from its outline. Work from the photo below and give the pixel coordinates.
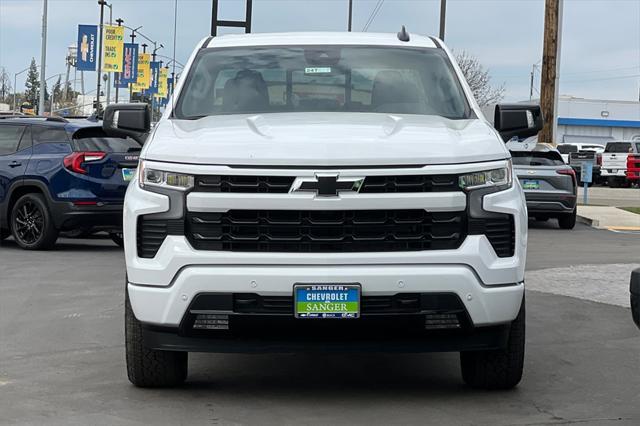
(568, 149)
(614, 162)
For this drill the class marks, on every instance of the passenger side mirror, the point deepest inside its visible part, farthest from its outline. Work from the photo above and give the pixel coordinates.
(520, 120)
(132, 120)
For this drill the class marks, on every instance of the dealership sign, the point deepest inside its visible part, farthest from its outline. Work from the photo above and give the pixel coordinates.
(87, 47)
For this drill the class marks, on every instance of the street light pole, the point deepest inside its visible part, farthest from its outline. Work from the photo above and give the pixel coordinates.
(102, 3)
(15, 88)
(43, 59)
(443, 15)
(108, 83)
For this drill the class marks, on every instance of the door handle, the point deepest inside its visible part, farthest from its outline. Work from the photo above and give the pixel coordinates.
(15, 164)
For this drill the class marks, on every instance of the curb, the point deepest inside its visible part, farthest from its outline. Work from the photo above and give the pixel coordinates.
(588, 221)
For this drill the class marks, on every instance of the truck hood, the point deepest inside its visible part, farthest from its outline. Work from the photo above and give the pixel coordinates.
(324, 139)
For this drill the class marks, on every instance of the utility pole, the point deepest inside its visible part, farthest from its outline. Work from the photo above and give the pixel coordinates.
(550, 70)
(443, 14)
(116, 76)
(350, 15)
(102, 3)
(43, 59)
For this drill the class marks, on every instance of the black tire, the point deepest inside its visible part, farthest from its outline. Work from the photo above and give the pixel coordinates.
(116, 237)
(497, 369)
(613, 182)
(568, 221)
(31, 223)
(147, 367)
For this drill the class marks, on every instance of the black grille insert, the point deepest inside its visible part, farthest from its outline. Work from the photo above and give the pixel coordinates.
(152, 232)
(282, 184)
(499, 230)
(325, 231)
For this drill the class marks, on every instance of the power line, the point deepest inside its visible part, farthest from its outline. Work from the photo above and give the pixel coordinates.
(601, 70)
(373, 15)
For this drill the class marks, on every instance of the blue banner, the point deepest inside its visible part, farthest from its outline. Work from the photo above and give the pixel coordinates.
(117, 81)
(129, 72)
(87, 47)
(155, 79)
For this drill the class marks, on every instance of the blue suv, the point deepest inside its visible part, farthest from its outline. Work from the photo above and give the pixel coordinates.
(59, 175)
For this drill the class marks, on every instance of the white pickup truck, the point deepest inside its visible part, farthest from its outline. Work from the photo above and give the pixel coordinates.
(614, 162)
(325, 192)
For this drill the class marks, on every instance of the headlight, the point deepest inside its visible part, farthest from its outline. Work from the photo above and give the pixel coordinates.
(149, 177)
(499, 178)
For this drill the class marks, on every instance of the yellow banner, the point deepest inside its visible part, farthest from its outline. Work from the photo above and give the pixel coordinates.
(163, 84)
(144, 73)
(113, 48)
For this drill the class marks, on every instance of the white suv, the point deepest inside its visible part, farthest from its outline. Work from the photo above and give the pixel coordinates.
(324, 192)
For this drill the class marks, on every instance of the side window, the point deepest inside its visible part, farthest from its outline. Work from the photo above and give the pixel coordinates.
(10, 138)
(25, 141)
(42, 134)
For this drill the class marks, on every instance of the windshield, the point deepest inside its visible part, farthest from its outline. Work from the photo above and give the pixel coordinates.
(322, 78)
(536, 158)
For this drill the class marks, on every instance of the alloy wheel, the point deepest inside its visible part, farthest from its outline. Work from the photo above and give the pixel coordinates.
(28, 222)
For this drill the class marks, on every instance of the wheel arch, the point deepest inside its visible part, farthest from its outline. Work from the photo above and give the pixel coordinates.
(17, 190)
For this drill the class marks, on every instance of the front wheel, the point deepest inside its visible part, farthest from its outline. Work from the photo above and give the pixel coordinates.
(148, 367)
(31, 223)
(497, 369)
(568, 221)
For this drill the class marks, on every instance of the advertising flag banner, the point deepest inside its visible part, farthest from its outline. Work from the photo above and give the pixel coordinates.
(117, 81)
(163, 88)
(87, 47)
(129, 72)
(144, 72)
(155, 78)
(113, 48)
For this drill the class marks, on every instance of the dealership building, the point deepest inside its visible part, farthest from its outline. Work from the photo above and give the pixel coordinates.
(599, 121)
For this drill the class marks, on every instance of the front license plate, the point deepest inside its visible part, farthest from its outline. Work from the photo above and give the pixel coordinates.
(128, 174)
(530, 184)
(327, 300)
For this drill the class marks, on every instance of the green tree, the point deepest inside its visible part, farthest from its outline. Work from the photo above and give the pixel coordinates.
(32, 85)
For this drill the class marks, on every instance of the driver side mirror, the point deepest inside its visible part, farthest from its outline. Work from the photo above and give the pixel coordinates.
(132, 120)
(519, 120)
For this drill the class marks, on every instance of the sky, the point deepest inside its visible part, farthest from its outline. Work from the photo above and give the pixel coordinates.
(600, 55)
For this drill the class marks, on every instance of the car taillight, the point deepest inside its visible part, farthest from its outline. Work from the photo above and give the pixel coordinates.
(75, 160)
(599, 159)
(569, 172)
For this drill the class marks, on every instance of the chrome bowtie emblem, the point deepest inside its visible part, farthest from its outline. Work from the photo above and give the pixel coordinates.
(531, 172)
(327, 185)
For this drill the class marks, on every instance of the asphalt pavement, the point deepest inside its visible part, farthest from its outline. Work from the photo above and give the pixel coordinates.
(62, 355)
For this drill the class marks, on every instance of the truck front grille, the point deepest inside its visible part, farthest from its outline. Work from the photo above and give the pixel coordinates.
(282, 184)
(325, 231)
